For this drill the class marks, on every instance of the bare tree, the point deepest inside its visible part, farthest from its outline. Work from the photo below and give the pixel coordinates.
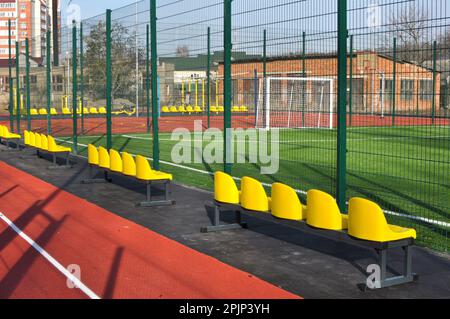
(410, 26)
(182, 51)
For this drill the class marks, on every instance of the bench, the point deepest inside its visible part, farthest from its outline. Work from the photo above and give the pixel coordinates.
(46, 144)
(124, 164)
(365, 225)
(9, 138)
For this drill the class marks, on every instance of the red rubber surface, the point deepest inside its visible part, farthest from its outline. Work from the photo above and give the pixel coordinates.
(118, 258)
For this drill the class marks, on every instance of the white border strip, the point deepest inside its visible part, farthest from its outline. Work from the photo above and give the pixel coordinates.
(422, 219)
(50, 259)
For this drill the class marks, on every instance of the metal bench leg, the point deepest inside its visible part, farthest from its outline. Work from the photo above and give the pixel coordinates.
(216, 227)
(406, 277)
(93, 180)
(153, 203)
(55, 165)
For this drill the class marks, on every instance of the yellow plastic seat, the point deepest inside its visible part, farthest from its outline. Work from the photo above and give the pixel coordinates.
(116, 161)
(53, 111)
(182, 109)
(103, 158)
(55, 148)
(43, 112)
(198, 109)
(243, 108)
(324, 213)
(26, 137)
(213, 109)
(235, 109)
(165, 109)
(66, 111)
(225, 189)
(285, 203)
(253, 196)
(367, 221)
(93, 110)
(144, 171)
(93, 158)
(220, 109)
(7, 135)
(38, 140)
(32, 142)
(102, 110)
(34, 112)
(189, 109)
(44, 142)
(129, 165)
(173, 109)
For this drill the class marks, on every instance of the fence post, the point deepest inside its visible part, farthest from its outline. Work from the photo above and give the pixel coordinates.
(265, 102)
(433, 115)
(49, 84)
(11, 82)
(342, 106)
(154, 81)
(108, 81)
(304, 85)
(394, 85)
(74, 89)
(350, 99)
(227, 86)
(147, 76)
(27, 50)
(208, 77)
(82, 76)
(18, 86)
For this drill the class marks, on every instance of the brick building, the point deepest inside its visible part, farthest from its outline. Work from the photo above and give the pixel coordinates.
(373, 80)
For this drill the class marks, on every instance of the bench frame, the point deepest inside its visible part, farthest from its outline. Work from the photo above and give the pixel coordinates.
(381, 249)
(148, 202)
(55, 165)
(8, 142)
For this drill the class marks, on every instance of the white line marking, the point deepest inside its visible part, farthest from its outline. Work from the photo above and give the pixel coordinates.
(422, 219)
(50, 259)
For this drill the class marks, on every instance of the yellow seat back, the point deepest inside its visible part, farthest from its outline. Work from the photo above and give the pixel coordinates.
(93, 110)
(66, 111)
(38, 140)
(116, 161)
(103, 158)
(285, 203)
(129, 165)
(93, 158)
(367, 221)
(2, 130)
(143, 168)
(26, 137)
(165, 109)
(53, 111)
(43, 111)
(5, 131)
(86, 110)
(323, 211)
(102, 110)
(225, 189)
(253, 195)
(34, 112)
(32, 139)
(44, 142)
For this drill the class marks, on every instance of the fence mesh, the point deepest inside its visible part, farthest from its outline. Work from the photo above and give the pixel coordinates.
(284, 75)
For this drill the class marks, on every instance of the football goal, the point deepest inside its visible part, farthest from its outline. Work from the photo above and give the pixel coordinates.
(295, 102)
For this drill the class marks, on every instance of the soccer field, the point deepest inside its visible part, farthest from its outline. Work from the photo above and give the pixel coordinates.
(405, 169)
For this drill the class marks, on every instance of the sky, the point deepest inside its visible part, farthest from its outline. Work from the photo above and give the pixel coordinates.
(90, 8)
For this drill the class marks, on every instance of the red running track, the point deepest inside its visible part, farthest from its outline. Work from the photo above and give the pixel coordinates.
(117, 258)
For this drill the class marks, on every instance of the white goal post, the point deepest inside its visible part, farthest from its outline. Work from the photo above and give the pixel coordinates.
(296, 102)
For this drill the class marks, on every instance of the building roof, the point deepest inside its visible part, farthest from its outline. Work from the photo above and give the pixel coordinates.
(199, 62)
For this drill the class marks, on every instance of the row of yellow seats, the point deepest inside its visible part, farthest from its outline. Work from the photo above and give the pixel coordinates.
(365, 220)
(43, 142)
(125, 164)
(7, 135)
(66, 111)
(182, 109)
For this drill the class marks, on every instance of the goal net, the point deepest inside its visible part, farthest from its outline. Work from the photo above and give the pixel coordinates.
(295, 102)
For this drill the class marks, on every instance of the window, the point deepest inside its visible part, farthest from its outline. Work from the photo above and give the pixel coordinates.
(426, 90)
(57, 83)
(407, 90)
(388, 89)
(33, 79)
